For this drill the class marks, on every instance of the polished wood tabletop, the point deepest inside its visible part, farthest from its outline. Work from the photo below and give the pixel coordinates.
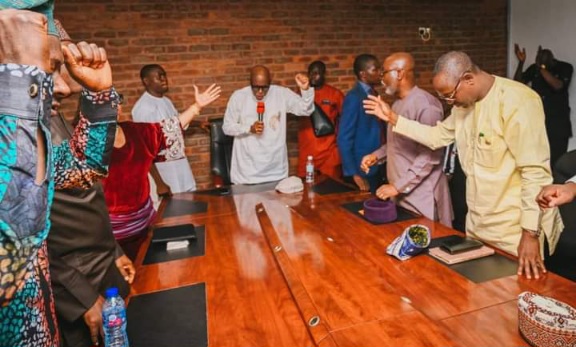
(299, 270)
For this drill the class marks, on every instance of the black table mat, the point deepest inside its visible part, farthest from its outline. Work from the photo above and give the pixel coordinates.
(180, 207)
(236, 189)
(174, 317)
(483, 269)
(330, 186)
(221, 191)
(157, 253)
(355, 208)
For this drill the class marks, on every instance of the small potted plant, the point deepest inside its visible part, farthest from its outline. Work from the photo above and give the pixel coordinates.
(413, 241)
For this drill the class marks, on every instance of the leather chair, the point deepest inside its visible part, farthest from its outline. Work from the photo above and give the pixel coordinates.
(563, 261)
(220, 153)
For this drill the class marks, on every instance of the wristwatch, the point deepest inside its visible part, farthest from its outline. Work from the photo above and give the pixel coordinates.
(534, 233)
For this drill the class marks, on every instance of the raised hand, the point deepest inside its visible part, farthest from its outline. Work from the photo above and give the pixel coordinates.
(208, 96)
(375, 106)
(88, 65)
(367, 161)
(520, 54)
(24, 39)
(538, 60)
(302, 81)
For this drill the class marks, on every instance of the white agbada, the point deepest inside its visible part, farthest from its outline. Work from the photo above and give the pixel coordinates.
(177, 173)
(264, 157)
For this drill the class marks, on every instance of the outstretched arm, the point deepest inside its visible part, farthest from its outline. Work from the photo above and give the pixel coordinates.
(202, 100)
(434, 137)
(301, 105)
(521, 55)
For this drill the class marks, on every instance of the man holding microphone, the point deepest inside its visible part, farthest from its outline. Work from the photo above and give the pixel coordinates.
(256, 117)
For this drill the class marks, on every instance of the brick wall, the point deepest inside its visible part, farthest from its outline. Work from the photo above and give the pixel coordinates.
(206, 41)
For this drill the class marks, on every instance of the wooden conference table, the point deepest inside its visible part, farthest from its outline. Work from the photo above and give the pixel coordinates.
(300, 271)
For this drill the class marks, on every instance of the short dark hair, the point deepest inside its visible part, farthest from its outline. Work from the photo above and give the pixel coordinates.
(361, 63)
(317, 63)
(147, 69)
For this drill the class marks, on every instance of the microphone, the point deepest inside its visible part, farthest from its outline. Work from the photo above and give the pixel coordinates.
(260, 110)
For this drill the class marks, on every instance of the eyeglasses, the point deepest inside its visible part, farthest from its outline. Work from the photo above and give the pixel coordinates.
(256, 89)
(390, 70)
(451, 98)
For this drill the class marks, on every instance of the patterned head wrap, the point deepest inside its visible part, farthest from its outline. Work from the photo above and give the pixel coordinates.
(61, 32)
(46, 7)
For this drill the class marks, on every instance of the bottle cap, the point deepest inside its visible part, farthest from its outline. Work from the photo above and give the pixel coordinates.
(111, 292)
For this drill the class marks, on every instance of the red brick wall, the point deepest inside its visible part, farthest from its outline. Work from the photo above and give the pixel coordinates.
(208, 41)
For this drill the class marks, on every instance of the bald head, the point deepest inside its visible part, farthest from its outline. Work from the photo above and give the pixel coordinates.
(260, 72)
(400, 60)
(260, 81)
(398, 74)
(452, 65)
(459, 81)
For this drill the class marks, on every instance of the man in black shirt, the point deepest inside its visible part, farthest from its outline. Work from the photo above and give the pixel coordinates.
(550, 78)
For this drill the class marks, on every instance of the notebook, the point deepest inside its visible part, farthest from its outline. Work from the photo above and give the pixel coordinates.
(174, 233)
(448, 258)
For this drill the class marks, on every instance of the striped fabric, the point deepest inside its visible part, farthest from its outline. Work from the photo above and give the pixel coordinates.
(130, 224)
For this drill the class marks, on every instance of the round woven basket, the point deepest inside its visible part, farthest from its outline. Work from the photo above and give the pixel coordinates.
(546, 322)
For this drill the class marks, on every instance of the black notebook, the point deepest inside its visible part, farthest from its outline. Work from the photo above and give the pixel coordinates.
(174, 233)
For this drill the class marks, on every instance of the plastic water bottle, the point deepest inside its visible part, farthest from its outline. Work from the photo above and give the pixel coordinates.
(114, 319)
(310, 170)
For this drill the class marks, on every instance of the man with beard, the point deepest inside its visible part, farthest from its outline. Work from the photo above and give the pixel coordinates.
(506, 159)
(414, 171)
(323, 149)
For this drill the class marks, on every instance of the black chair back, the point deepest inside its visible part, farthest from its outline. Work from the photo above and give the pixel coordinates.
(220, 151)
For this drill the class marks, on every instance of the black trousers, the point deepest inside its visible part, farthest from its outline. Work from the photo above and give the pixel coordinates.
(558, 146)
(457, 184)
